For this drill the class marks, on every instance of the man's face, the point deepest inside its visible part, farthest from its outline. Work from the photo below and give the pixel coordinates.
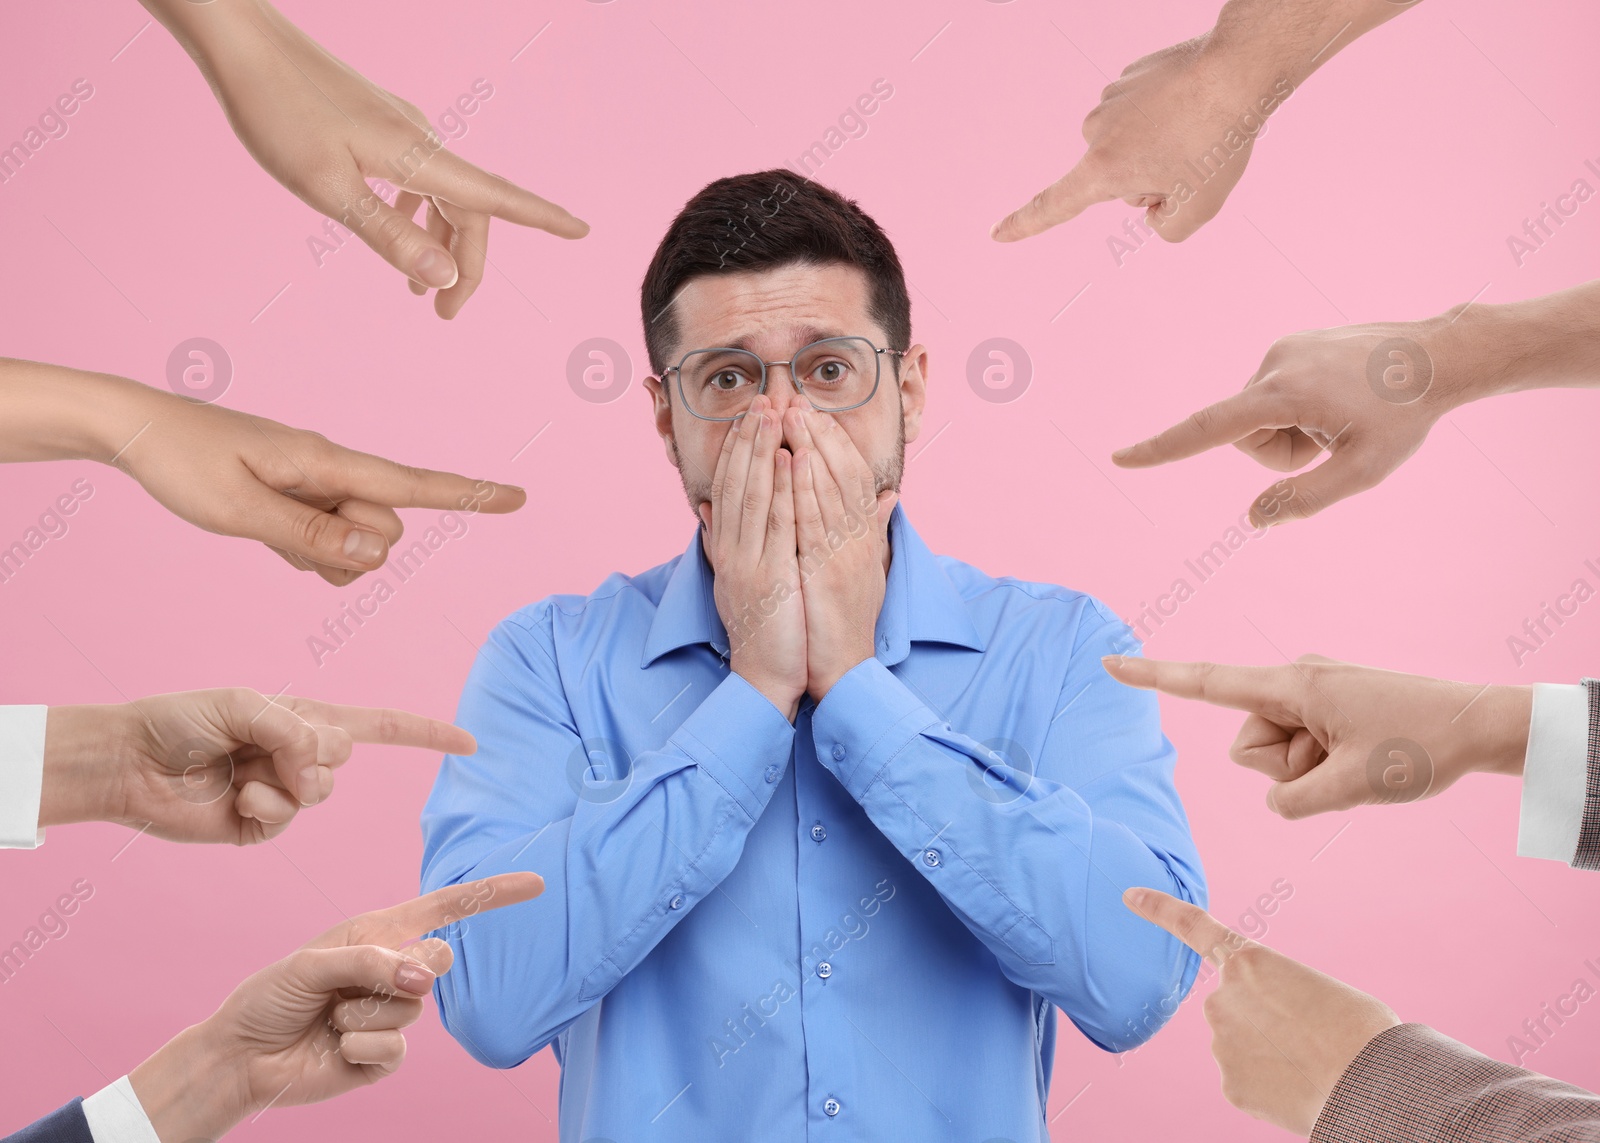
(773, 313)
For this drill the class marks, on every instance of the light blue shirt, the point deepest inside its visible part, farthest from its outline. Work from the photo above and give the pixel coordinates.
(854, 927)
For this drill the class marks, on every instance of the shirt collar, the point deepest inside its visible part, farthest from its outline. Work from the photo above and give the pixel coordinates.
(920, 604)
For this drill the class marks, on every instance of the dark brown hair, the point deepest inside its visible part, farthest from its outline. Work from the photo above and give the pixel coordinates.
(759, 221)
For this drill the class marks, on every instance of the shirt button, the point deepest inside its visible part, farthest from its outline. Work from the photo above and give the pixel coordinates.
(819, 832)
(838, 752)
(772, 774)
(832, 1107)
(676, 902)
(930, 858)
(824, 969)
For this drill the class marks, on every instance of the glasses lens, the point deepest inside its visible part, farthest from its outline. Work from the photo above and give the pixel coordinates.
(837, 373)
(720, 382)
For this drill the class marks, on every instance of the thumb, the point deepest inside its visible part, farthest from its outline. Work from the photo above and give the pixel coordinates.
(366, 967)
(1064, 199)
(396, 239)
(320, 536)
(1298, 497)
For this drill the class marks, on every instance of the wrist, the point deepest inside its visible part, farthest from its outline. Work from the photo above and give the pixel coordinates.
(193, 1087)
(823, 682)
(118, 412)
(785, 697)
(1496, 727)
(84, 749)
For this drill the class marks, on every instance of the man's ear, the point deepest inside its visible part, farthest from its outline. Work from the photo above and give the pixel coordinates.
(913, 389)
(661, 406)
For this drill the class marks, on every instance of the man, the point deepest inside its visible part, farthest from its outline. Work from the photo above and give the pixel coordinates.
(864, 815)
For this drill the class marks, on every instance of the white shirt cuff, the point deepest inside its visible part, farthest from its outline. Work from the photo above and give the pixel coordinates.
(115, 1115)
(21, 775)
(1555, 775)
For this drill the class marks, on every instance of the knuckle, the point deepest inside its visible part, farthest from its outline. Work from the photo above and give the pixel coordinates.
(1201, 421)
(317, 531)
(243, 698)
(391, 230)
(1305, 502)
(1249, 959)
(373, 962)
(389, 724)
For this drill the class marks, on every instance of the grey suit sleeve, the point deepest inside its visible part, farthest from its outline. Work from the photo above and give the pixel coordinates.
(1587, 854)
(1412, 1084)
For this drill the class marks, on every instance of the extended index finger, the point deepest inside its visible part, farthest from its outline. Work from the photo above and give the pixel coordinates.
(449, 176)
(386, 727)
(1189, 923)
(1242, 688)
(1222, 423)
(400, 924)
(381, 481)
(1061, 201)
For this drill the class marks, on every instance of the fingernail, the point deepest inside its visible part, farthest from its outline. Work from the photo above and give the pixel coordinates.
(1122, 453)
(363, 547)
(414, 979)
(1134, 899)
(308, 787)
(1111, 660)
(436, 269)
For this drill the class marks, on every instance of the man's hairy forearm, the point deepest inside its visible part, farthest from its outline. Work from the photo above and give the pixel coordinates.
(1542, 343)
(1289, 39)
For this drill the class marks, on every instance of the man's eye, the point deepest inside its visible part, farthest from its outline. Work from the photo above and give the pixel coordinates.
(725, 380)
(830, 372)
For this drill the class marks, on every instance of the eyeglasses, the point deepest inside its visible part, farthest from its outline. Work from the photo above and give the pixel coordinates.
(834, 374)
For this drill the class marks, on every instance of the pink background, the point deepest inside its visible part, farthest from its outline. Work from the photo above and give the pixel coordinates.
(1385, 189)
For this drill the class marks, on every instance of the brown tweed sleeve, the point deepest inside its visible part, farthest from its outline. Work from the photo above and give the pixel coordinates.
(1411, 1083)
(1587, 855)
